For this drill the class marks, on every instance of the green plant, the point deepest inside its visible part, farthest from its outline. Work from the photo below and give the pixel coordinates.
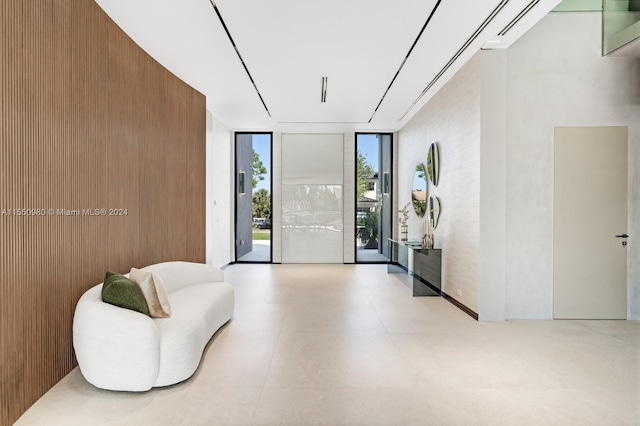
(404, 213)
(369, 233)
(261, 205)
(419, 206)
(261, 235)
(258, 169)
(364, 172)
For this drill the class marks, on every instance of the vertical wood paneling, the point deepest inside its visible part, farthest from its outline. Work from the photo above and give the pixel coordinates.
(196, 124)
(87, 121)
(123, 166)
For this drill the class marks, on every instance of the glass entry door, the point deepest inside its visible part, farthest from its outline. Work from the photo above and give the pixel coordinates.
(312, 207)
(373, 196)
(253, 197)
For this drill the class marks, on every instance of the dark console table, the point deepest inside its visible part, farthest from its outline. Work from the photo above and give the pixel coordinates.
(424, 266)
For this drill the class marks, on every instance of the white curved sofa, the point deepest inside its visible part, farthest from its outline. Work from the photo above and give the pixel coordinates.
(120, 349)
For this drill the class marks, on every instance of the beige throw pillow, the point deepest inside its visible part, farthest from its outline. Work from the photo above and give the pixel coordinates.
(153, 291)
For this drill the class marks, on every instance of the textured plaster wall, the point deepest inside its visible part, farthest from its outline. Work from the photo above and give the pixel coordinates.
(452, 118)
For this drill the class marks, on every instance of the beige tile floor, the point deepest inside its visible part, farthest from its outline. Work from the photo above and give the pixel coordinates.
(348, 345)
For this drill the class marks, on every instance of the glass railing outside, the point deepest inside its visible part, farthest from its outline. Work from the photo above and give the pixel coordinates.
(620, 23)
(578, 6)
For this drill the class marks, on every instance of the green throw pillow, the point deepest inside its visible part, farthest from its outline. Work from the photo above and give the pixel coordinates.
(121, 291)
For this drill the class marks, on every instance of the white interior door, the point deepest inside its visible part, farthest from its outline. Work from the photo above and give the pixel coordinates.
(590, 209)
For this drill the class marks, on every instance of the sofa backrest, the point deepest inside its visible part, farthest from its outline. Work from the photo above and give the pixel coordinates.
(177, 275)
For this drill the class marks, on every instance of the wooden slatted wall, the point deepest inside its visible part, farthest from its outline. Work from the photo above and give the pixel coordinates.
(87, 121)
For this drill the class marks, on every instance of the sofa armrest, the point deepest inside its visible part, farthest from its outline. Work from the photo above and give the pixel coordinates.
(116, 348)
(219, 275)
(178, 275)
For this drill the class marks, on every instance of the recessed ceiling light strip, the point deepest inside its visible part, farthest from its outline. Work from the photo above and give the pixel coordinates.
(517, 18)
(405, 58)
(239, 55)
(464, 47)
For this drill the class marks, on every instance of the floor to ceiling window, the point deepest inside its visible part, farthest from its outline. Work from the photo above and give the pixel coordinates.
(373, 196)
(253, 197)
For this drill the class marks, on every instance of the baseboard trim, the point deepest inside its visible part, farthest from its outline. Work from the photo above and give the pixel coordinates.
(431, 290)
(461, 306)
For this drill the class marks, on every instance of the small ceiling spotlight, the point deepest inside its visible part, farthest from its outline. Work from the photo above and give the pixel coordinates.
(323, 94)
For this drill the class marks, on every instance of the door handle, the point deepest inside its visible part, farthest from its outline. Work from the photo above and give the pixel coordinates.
(622, 236)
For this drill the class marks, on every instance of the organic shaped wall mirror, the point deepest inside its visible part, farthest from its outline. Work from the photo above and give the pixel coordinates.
(433, 163)
(419, 191)
(434, 211)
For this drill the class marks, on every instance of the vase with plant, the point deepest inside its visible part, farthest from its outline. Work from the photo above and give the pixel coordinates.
(404, 217)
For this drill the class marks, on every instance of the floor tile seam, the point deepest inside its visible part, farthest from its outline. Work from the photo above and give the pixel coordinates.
(266, 377)
(470, 388)
(348, 332)
(386, 328)
(566, 385)
(592, 327)
(441, 332)
(607, 389)
(337, 333)
(286, 306)
(627, 339)
(327, 304)
(370, 304)
(342, 387)
(215, 386)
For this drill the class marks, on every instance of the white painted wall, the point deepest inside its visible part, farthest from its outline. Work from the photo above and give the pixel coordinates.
(493, 186)
(276, 199)
(349, 198)
(452, 118)
(209, 191)
(219, 202)
(395, 227)
(557, 77)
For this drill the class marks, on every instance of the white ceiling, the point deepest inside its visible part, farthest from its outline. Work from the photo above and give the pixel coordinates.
(289, 45)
